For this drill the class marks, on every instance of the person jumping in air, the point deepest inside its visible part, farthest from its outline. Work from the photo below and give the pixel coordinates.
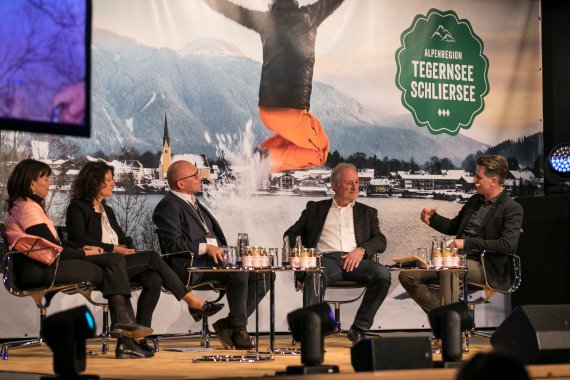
(288, 35)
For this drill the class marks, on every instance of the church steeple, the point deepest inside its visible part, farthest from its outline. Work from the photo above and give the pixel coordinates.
(166, 138)
(166, 156)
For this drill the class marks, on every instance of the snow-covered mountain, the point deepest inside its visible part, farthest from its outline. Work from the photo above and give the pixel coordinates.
(209, 88)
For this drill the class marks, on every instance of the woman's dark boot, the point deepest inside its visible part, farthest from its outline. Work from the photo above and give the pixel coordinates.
(125, 326)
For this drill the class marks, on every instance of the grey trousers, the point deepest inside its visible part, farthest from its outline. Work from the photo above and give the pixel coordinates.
(417, 285)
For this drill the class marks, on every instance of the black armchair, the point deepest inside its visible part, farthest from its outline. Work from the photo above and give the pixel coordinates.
(205, 334)
(41, 295)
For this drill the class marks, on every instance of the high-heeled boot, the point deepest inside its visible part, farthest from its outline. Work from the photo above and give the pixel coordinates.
(123, 325)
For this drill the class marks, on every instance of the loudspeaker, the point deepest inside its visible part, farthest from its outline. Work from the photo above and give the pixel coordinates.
(461, 308)
(537, 334)
(451, 337)
(391, 353)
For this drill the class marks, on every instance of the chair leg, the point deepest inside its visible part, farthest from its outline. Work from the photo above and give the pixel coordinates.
(155, 344)
(465, 341)
(474, 330)
(31, 341)
(105, 330)
(337, 327)
(19, 343)
(205, 333)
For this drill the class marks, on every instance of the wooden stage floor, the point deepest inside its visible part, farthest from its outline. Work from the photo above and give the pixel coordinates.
(28, 363)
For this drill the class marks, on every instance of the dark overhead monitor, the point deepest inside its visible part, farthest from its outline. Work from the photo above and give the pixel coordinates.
(45, 66)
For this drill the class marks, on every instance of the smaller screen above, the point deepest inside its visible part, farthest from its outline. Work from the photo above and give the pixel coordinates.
(45, 66)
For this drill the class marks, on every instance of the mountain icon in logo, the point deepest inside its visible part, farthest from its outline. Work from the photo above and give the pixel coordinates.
(443, 34)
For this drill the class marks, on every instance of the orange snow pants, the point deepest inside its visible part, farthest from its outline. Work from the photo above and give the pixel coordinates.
(299, 141)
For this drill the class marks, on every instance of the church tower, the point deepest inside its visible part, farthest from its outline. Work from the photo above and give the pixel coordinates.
(166, 156)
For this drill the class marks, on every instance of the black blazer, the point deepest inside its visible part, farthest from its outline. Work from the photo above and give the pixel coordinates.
(500, 230)
(499, 233)
(84, 225)
(366, 226)
(181, 230)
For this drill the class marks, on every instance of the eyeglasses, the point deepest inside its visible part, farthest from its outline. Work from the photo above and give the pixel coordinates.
(189, 176)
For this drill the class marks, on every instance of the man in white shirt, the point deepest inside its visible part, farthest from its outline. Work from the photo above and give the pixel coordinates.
(347, 235)
(186, 225)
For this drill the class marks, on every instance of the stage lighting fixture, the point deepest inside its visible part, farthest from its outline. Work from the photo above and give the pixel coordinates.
(559, 159)
(447, 323)
(308, 326)
(65, 333)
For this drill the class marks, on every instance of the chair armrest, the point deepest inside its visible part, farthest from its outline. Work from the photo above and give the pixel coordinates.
(502, 272)
(26, 252)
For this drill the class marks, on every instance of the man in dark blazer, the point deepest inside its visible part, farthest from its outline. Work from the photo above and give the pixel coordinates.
(347, 235)
(490, 220)
(187, 226)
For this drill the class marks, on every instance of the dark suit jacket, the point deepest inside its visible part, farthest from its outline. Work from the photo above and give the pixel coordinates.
(84, 226)
(181, 230)
(366, 226)
(499, 233)
(500, 230)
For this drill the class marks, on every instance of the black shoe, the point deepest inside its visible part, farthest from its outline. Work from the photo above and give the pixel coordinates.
(241, 339)
(224, 332)
(129, 349)
(144, 345)
(355, 334)
(207, 310)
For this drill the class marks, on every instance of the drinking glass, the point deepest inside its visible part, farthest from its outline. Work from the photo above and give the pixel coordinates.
(462, 260)
(318, 260)
(422, 254)
(274, 259)
(226, 257)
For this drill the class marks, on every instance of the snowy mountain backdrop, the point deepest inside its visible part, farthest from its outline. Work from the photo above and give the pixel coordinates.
(209, 89)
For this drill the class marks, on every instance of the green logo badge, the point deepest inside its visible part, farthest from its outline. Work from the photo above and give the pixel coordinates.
(442, 72)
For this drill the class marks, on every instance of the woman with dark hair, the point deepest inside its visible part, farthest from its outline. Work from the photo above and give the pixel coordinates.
(28, 226)
(89, 220)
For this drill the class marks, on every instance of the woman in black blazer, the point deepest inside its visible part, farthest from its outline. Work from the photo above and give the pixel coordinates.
(90, 221)
(27, 219)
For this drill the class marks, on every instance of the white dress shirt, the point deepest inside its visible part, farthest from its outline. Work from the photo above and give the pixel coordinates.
(338, 231)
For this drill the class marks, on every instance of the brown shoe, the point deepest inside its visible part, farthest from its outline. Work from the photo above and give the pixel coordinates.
(224, 332)
(241, 339)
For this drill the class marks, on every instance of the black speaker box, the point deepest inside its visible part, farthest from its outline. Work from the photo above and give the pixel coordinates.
(391, 353)
(535, 334)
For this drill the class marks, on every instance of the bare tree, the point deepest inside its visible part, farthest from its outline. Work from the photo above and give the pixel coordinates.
(62, 148)
(12, 150)
(148, 236)
(132, 214)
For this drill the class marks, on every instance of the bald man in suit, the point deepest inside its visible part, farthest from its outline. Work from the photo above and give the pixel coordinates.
(186, 225)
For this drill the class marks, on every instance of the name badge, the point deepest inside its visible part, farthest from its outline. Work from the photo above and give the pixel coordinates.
(212, 241)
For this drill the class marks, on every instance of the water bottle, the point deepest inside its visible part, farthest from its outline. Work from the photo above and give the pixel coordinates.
(298, 244)
(286, 251)
(240, 249)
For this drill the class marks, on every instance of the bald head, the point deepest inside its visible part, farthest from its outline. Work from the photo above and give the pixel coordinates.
(184, 177)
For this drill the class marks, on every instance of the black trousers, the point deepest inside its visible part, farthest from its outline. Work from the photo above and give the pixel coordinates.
(107, 272)
(240, 287)
(150, 271)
